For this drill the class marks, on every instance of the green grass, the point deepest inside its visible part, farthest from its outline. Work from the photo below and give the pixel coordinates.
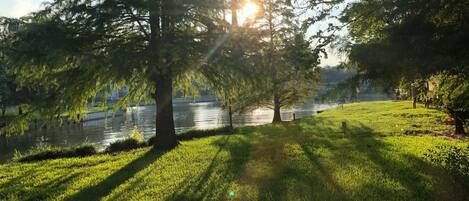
(308, 159)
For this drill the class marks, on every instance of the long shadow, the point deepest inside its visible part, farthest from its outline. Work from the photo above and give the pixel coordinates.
(106, 186)
(408, 173)
(369, 144)
(362, 139)
(325, 175)
(209, 184)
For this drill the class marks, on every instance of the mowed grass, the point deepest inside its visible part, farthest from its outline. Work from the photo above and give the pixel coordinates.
(308, 159)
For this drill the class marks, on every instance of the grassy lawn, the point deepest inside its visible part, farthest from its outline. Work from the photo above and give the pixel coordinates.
(380, 158)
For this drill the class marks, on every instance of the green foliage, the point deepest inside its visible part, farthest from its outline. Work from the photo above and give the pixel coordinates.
(451, 92)
(124, 145)
(195, 134)
(137, 135)
(287, 64)
(133, 141)
(406, 39)
(79, 49)
(306, 159)
(455, 159)
(46, 152)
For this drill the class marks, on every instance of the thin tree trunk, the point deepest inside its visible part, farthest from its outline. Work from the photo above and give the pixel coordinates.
(234, 14)
(414, 96)
(277, 117)
(230, 114)
(4, 109)
(165, 133)
(459, 126)
(20, 110)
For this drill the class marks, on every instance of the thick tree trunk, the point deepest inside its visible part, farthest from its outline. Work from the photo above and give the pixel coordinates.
(459, 127)
(162, 76)
(277, 117)
(165, 133)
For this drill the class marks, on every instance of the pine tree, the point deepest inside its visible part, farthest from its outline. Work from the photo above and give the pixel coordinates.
(82, 48)
(287, 63)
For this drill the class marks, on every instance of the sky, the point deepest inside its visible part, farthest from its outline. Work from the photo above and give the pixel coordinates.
(18, 8)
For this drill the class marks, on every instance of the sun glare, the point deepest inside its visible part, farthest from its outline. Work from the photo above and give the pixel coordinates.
(248, 11)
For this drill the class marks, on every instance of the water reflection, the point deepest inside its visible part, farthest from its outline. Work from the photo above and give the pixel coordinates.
(104, 131)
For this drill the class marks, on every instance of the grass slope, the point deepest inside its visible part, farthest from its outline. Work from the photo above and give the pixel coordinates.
(308, 159)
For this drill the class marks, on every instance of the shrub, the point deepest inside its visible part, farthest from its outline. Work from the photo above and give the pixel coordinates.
(84, 150)
(137, 135)
(133, 141)
(45, 152)
(124, 145)
(193, 134)
(452, 158)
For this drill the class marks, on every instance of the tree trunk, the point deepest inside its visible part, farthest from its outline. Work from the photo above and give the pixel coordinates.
(230, 114)
(234, 14)
(162, 76)
(4, 109)
(277, 117)
(165, 133)
(20, 110)
(459, 126)
(414, 96)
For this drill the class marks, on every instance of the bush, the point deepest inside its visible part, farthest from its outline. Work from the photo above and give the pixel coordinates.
(452, 158)
(137, 135)
(124, 145)
(193, 134)
(133, 141)
(45, 152)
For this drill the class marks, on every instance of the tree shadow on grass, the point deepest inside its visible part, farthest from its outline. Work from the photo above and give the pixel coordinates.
(106, 186)
(295, 180)
(418, 177)
(215, 181)
(324, 136)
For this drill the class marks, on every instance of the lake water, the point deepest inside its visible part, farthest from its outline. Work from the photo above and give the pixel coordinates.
(101, 132)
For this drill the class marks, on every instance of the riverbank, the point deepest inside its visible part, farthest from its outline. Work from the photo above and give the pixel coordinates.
(381, 156)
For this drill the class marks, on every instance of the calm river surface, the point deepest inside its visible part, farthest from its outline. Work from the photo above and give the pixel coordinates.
(101, 132)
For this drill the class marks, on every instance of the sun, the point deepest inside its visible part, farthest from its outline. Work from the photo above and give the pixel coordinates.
(248, 11)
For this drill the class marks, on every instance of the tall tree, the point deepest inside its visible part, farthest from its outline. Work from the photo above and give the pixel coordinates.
(287, 63)
(231, 64)
(84, 47)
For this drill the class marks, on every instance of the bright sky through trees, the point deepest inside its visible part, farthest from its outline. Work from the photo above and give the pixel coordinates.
(248, 11)
(18, 8)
